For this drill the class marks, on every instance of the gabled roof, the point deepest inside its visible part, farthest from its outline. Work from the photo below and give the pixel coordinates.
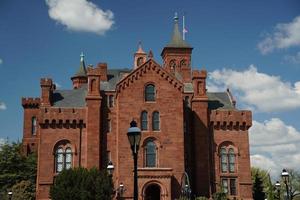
(142, 69)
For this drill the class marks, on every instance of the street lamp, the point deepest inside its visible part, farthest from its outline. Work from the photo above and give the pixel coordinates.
(285, 176)
(134, 137)
(9, 195)
(277, 186)
(110, 168)
(120, 191)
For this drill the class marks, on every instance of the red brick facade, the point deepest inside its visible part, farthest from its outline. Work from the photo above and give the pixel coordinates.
(191, 127)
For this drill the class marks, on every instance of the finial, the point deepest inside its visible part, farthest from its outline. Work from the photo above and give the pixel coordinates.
(140, 44)
(176, 17)
(81, 57)
(140, 48)
(133, 123)
(150, 55)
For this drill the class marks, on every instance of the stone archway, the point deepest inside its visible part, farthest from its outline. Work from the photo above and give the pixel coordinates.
(153, 192)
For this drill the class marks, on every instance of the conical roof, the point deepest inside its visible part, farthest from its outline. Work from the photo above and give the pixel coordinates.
(82, 70)
(177, 41)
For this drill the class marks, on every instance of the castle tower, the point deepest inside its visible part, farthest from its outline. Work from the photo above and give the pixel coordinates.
(80, 77)
(201, 139)
(177, 55)
(140, 56)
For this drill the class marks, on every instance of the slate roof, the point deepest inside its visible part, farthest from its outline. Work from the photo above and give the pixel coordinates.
(219, 100)
(76, 97)
(70, 98)
(177, 41)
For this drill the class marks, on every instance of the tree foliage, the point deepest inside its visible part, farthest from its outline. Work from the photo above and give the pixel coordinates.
(15, 167)
(23, 190)
(260, 182)
(81, 184)
(220, 196)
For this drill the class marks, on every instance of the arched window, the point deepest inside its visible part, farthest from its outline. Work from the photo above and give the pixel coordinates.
(155, 121)
(33, 125)
(63, 158)
(150, 93)
(231, 158)
(139, 61)
(68, 164)
(183, 63)
(150, 154)
(144, 120)
(59, 159)
(224, 165)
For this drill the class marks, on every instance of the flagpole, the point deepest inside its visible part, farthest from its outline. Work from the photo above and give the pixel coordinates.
(183, 28)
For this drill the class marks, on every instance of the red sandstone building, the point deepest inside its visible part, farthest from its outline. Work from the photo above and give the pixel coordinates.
(185, 128)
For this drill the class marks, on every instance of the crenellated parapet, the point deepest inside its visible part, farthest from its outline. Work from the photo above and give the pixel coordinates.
(138, 73)
(62, 116)
(46, 82)
(31, 102)
(231, 119)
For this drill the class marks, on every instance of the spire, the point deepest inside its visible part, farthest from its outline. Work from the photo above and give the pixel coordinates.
(177, 40)
(150, 54)
(140, 56)
(82, 70)
(140, 49)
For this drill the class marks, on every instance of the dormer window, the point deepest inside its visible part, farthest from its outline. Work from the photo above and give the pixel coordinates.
(150, 93)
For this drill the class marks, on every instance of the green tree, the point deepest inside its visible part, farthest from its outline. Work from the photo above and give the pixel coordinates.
(270, 189)
(23, 190)
(82, 184)
(15, 167)
(260, 182)
(201, 198)
(220, 196)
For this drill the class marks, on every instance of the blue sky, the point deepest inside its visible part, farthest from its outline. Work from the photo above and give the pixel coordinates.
(252, 47)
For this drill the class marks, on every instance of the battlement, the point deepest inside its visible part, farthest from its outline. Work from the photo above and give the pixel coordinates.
(94, 71)
(46, 82)
(231, 119)
(56, 116)
(31, 102)
(103, 69)
(199, 73)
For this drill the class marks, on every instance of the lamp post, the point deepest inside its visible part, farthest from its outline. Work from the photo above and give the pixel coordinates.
(110, 168)
(285, 176)
(9, 195)
(134, 137)
(120, 191)
(277, 186)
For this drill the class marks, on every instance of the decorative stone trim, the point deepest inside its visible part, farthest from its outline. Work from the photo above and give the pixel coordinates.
(142, 70)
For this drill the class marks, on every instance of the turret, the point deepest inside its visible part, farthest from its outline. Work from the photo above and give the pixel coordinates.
(47, 87)
(177, 55)
(140, 56)
(80, 77)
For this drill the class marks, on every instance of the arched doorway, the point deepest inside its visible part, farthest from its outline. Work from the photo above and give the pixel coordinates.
(152, 192)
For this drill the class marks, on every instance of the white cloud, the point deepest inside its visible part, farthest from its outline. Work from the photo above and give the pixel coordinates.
(80, 15)
(2, 106)
(294, 59)
(258, 90)
(285, 35)
(1, 61)
(274, 145)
